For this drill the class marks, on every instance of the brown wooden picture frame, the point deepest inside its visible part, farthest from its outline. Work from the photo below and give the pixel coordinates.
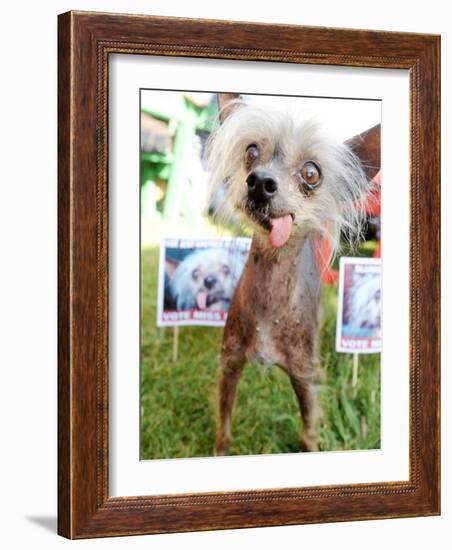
(85, 42)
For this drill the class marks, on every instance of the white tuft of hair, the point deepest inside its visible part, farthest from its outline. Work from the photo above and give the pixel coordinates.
(336, 208)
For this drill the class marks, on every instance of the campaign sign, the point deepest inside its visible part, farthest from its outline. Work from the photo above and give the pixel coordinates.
(358, 327)
(197, 278)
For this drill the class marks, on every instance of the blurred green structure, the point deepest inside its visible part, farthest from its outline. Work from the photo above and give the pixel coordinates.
(184, 120)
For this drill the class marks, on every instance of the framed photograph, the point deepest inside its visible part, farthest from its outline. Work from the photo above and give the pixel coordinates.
(247, 213)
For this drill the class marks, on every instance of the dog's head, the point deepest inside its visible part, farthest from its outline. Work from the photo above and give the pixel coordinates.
(365, 306)
(285, 175)
(206, 279)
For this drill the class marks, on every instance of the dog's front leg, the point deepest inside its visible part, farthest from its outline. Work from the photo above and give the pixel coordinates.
(307, 399)
(231, 367)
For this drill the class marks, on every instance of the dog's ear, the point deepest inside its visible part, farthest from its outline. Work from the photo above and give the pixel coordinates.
(366, 147)
(170, 266)
(225, 107)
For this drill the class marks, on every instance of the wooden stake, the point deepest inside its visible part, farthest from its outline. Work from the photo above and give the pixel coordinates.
(355, 370)
(175, 343)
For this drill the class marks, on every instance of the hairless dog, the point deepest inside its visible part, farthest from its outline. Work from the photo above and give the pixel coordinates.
(289, 181)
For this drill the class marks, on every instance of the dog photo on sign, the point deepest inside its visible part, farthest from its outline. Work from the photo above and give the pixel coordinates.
(248, 202)
(199, 280)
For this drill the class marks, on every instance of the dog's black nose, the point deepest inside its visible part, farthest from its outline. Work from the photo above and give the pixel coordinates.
(209, 281)
(261, 186)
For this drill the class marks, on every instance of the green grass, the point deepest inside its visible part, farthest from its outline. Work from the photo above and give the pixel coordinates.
(178, 398)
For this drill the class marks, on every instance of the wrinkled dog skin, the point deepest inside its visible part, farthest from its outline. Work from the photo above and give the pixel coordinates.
(289, 181)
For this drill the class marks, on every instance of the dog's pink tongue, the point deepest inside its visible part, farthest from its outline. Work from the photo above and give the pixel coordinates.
(201, 300)
(280, 230)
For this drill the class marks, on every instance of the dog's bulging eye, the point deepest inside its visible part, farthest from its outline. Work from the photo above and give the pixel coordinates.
(226, 270)
(311, 174)
(195, 274)
(252, 153)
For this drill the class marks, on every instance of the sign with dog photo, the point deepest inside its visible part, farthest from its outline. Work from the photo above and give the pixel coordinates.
(197, 278)
(359, 309)
(286, 171)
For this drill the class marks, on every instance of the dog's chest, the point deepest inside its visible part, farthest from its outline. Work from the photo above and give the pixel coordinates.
(265, 348)
(274, 311)
(281, 332)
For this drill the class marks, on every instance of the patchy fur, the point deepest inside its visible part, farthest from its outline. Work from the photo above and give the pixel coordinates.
(273, 318)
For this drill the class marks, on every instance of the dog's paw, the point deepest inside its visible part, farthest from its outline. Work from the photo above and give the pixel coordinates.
(221, 450)
(221, 446)
(309, 443)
